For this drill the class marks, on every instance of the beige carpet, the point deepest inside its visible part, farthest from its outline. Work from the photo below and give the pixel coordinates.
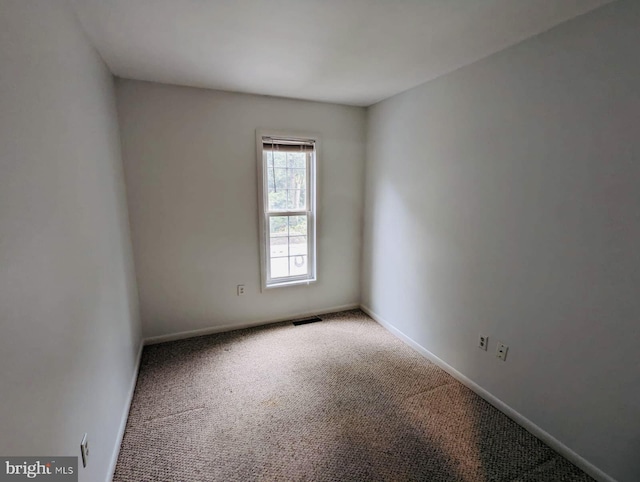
(337, 400)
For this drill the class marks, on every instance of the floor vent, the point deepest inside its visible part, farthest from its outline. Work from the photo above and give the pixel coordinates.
(306, 320)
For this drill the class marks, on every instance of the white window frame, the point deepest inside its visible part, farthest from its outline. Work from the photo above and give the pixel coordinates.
(264, 214)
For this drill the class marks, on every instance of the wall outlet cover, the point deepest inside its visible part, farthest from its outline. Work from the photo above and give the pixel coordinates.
(501, 351)
(84, 450)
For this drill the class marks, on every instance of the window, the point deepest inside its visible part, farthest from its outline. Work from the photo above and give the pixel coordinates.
(287, 198)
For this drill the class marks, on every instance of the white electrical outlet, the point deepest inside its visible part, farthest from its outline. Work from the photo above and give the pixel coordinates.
(84, 450)
(240, 290)
(483, 341)
(501, 351)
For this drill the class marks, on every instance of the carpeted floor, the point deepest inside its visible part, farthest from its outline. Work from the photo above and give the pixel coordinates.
(337, 400)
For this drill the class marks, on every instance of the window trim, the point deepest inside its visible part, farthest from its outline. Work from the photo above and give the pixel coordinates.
(263, 213)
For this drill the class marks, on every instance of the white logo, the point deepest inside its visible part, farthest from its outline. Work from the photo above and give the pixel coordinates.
(32, 470)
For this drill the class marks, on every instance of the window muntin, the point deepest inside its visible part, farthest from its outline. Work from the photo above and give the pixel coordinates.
(286, 179)
(288, 246)
(287, 207)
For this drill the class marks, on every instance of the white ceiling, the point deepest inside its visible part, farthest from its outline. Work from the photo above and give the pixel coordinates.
(345, 51)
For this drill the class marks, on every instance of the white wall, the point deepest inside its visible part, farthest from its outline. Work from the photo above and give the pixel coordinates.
(190, 167)
(503, 199)
(69, 328)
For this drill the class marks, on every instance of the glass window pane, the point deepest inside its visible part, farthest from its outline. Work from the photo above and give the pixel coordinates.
(286, 186)
(279, 158)
(278, 226)
(280, 175)
(297, 160)
(278, 247)
(279, 267)
(298, 225)
(298, 265)
(297, 200)
(297, 178)
(288, 246)
(275, 158)
(297, 245)
(277, 200)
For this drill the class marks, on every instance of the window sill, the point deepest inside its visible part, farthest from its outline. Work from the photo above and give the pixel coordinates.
(298, 282)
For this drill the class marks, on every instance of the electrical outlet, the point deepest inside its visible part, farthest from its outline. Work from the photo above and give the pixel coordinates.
(501, 351)
(84, 450)
(240, 290)
(483, 341)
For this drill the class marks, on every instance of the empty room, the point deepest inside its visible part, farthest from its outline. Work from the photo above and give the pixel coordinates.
(320, 240)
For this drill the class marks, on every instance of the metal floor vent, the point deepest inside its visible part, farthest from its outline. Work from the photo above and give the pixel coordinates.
(307, 320)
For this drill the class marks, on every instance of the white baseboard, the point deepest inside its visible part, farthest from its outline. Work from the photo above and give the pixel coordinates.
(125, 416)
(520, 419)
(153, 340)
